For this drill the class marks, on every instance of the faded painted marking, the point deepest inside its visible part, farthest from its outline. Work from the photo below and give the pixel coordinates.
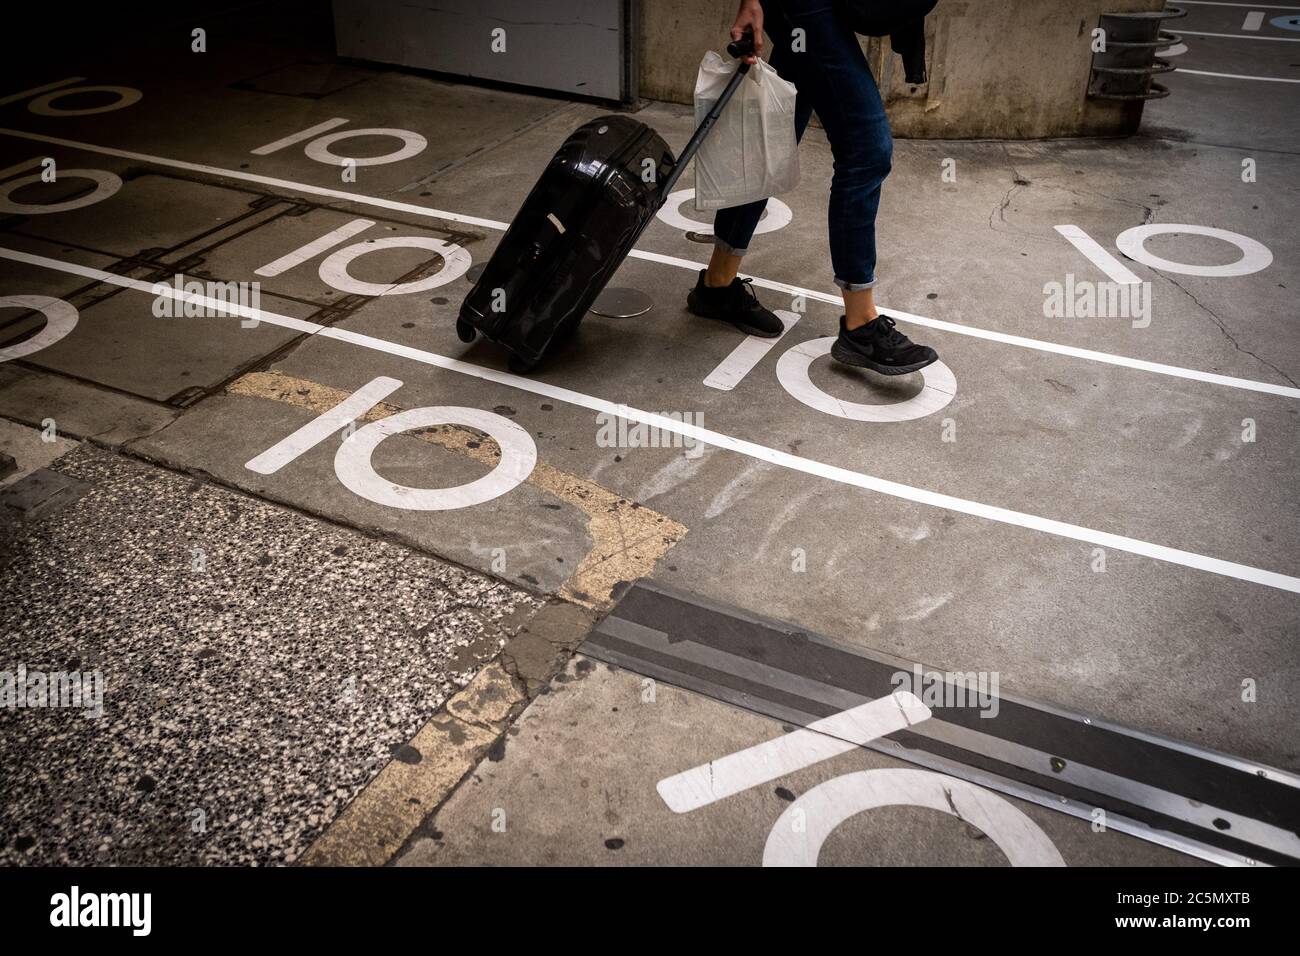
(323, 426)
(1255, 256)
(792, 373)
(776, 216)
(1238, 76)
(22, 167)
(412, 145)
(820, 740)
(823, 808)
(732, 369)
(314, 248)
(60, 319)
(299, 136)
(1253, 20)
(38, 90)
(106, 184)
(44, 105)
(355, 468)
(455, 263)
(1098, 256)
(1234, 36)
(1228, 3)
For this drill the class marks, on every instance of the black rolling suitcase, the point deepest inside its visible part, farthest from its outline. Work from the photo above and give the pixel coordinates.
(575, 229)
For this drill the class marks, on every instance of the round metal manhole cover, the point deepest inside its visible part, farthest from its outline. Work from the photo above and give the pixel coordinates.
(622, 303)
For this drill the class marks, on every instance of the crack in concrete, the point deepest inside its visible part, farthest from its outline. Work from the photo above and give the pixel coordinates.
(952, 805)
(1222, 326)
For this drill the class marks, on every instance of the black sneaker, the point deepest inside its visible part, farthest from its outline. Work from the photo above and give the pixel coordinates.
(882, 348)
(735, 303)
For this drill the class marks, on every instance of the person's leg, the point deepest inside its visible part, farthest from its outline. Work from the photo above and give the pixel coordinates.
(834, 74)
(734, 226)
(859, 307)
(723, 267)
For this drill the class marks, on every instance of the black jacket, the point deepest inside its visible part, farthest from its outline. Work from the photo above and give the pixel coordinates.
(903, 21)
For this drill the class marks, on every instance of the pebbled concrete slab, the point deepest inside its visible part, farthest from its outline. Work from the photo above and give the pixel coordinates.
(259, 669)
(388, 813)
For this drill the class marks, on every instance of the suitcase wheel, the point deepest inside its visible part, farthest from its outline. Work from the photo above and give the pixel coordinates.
(521, 366)
(465, 332)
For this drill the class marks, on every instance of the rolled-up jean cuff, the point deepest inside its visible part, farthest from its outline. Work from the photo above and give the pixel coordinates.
(727, 249)
(854, 286)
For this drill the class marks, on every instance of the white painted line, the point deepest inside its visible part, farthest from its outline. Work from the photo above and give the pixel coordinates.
(1255, 256)
(797, 836)
(1253, 20)
(355, 469)
(732, 369)
(106, 184)
(315, 247)
(44, 105)
(1239, 76)
(1098, 256)
(776, 216)
(1004, 338)
(455, 263)
(163, 289)
(286, 184)
(844, 476)
(1236, 36)
(298, 137)
(792, 372)
(22, 167)
(425, 211)
(1224, 3)
(60, 319)
(37, 91)
(762, 763)
(412, 145)
(324, 425)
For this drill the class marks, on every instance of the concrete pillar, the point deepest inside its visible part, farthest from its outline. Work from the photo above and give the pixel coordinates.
(1014, 69)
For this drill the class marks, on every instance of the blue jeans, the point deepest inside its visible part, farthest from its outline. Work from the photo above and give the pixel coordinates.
(833, 78)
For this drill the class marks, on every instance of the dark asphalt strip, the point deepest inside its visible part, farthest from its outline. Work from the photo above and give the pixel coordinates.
(1177, 791)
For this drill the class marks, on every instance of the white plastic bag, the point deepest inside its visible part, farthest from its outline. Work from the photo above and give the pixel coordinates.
(751, 151)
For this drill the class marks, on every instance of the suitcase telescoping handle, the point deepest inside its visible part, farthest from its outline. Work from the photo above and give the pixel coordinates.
(737, 48)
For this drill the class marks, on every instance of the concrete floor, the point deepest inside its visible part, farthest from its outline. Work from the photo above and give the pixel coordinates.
(1143, 441)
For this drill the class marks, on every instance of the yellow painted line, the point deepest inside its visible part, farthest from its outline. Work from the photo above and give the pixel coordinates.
(372, 828)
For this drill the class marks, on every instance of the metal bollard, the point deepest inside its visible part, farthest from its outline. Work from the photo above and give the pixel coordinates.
(1126, 69)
